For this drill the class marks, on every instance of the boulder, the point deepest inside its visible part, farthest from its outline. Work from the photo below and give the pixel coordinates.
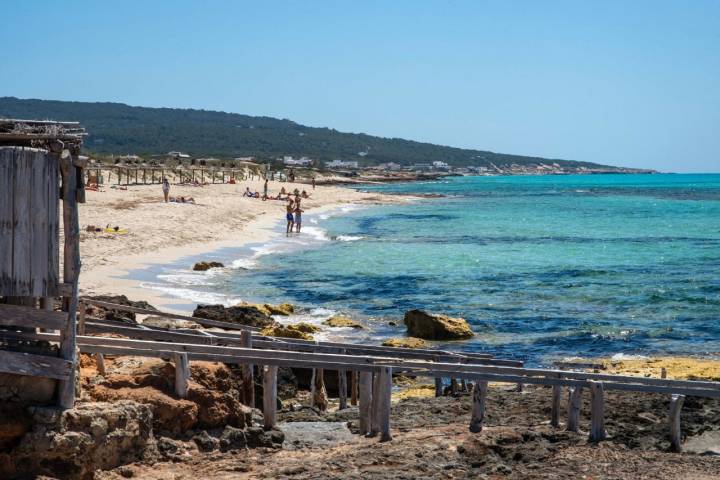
(340, 321)
(302, 331)
(408, 342)
(203, 266)
(280, 309)
(169, 323)
(240, 314)
(74, 443)
(436, 326)
(118, 315)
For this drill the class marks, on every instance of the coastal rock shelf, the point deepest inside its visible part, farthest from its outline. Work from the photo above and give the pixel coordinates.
(436, 326)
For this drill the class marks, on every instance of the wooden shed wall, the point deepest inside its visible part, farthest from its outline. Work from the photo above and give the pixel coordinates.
(29, 236)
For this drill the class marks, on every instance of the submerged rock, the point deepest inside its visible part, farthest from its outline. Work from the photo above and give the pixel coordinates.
(341, 321)
(409, 342)
(203, 266)
(302, 331)
(240, 314)
(436, 326)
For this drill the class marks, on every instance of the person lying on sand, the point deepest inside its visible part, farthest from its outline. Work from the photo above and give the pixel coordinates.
(182, 200)
(247, 193)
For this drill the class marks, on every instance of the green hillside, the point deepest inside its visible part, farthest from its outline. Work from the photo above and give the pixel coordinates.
(116, 128)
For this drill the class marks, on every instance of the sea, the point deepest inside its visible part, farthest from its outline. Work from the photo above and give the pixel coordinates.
(542, 267)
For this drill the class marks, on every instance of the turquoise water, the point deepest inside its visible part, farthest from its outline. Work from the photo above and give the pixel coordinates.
(542, 267)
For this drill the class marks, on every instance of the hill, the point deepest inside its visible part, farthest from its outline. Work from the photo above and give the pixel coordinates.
(116, 128)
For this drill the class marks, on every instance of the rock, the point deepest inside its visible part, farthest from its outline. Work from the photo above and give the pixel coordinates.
(240, 314)
(205, 442)
(436, 326)
(203, 266)
(74, 443)
(14, 423)
(392, 323)
(232, 439)
(281, 308)
(300, 330)
(117, 315)
(216, 409)
(341, 321)
(26, 390)
(409, 342)
(169, 323)
(258, 437)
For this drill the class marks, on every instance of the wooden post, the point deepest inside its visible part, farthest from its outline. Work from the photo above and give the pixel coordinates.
(366, 394)
(81, 319)
(246, 372)
(269, 395)
(463, 385)
(353, 388)
(574, 405)
(519, 388)
(100, 363)
(663, 372)
(479, 395)
(597, 411)
(374, 416)
(555, 409)
(71, 273)
(453, 386)
(182, 373)
(319, 393)
(438, 387)
(676, 404)
(342, 389)
(384, 404)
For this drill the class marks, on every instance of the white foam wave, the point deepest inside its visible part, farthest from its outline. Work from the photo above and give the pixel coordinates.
(349, 238)
(626, 356)
(194, 295)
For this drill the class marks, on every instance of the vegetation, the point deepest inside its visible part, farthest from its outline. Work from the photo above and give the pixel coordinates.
(116, 128)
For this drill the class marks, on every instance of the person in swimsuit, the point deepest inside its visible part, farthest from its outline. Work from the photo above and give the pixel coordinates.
(265, 188)
(298, 216)
(289, 216)
(166, 189)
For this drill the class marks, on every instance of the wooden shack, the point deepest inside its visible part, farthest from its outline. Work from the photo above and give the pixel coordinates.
(40, 168)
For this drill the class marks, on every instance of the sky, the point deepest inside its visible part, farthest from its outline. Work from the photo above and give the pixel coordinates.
(631, 83)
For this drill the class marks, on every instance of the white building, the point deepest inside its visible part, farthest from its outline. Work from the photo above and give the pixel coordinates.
(390, 166)
(297, 162)
(440, 165)
(342, 164)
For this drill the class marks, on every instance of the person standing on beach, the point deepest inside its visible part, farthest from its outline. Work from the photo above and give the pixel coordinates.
(313, 183)
(166, 189)
(298, 215)
(265, 188)
(289, 216)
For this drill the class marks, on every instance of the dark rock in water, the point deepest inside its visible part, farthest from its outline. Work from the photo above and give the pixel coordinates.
(203, 266)
(240, 314)
(117, 315)
(205, 442)
(436, 326)
(392, 324)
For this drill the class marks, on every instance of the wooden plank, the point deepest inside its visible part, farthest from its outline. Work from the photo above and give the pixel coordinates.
(438, 387)
(479, 395)
(246, 373)
(574, 406)
(34, 365)
(342, 389)
(318, 393)
(182, 374)
(14, 315)
(7, 189)
(155, 334)
(555, 408)
(366, 392)
(384, 403)
(597, 412)
(53, 227)
(22, 228)
(676, 404)
(374, 406)
(38, 238)
(269, 395)
(354, 388)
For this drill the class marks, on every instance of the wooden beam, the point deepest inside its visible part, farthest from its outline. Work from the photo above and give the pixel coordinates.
(19, 363)
(676, 404)
(182, 374)
(318, 394)
(366, 392)
(555, 408)
(384, 403)
(342, 389)
(353, 388)
(269, 396)
(597, 412)
(19, 316)
(479, 395)
(574, 406)
(246, 373)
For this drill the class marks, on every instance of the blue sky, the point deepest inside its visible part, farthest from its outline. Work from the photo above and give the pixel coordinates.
(634, 83)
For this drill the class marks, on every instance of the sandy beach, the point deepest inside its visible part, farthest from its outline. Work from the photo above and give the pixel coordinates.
(159, 232)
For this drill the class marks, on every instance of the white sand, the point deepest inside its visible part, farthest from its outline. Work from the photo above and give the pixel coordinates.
(159, 232)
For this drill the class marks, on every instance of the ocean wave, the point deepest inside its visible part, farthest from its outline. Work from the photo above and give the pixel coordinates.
(194, 296)
(349, 238)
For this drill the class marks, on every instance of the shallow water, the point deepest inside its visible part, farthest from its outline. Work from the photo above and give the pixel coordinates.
(542, 267)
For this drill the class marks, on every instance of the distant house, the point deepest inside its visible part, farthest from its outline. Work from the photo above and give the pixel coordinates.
(342, 164)
(438, 165)
(390, 166)
(245, 159)
(178, 155)
(421, 166)
(297, 162)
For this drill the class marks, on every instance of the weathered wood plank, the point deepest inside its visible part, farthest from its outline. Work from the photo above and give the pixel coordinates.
(374, 406)
(354, 388)
(597, 412)
(318, 394)
(676, 404)
(342, 389)
(438, 387)
(34, 365)
(7, 190)
(22, 223)
(14, 315)
(555, 408)
(366, 393)
(269, 395)
(574, 405)
(246, 373)
(384, 403)
(182, 374)
(479, 395)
